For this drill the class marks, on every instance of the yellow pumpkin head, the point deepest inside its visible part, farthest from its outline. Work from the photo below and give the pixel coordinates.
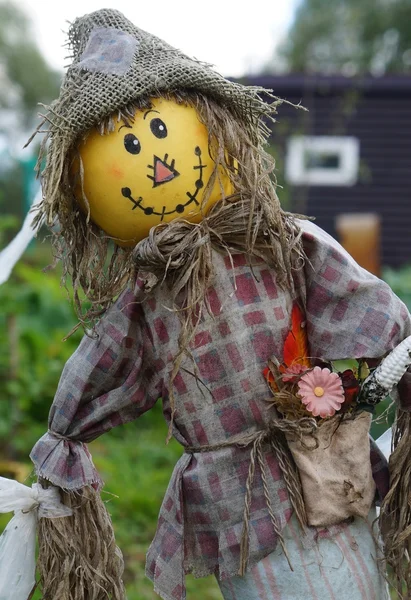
(149, 172)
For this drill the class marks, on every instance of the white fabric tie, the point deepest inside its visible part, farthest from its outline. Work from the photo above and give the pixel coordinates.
(18, 540)
(12, 253)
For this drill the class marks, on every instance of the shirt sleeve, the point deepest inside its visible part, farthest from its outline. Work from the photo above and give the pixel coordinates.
(110, 379)
(350, 312)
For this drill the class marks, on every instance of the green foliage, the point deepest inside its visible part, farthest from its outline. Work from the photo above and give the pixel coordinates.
(29, 76)
(34, 318)
(7, 223)
(350, 36)
(400, 282)
(11, 202)
(25, 81)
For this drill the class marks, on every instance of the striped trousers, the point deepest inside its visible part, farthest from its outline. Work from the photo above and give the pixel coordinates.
(341, 568)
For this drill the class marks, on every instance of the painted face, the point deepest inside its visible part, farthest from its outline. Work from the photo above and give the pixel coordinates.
(152, 172)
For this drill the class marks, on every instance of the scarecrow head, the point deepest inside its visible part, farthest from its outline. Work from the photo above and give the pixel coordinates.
(148, 170)
(144, 138)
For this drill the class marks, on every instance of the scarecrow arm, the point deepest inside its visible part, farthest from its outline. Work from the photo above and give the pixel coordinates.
(108, 381)
(350, 312)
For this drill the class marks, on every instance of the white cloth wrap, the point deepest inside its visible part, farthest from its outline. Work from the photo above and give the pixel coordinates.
(12, 253)
(18, 540)
(384, 443)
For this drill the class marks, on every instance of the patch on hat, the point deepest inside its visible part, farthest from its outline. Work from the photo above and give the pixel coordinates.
(109, 51)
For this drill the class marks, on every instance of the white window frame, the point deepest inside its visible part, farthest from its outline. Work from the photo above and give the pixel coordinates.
(346, 174)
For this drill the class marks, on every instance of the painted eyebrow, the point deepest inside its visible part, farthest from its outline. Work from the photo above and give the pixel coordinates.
(149, 111)
(128, 127)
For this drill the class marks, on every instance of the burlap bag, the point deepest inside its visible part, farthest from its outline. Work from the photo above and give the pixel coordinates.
(336, 475)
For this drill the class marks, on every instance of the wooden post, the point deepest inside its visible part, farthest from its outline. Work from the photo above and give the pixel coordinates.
(360, 235)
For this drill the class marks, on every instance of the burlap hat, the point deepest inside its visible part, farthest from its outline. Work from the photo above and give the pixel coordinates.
(114, 66)
(114, 63)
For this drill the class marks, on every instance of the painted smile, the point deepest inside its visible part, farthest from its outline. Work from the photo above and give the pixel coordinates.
(164, 172)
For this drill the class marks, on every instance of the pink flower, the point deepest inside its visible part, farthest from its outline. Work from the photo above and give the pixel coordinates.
(321, 391)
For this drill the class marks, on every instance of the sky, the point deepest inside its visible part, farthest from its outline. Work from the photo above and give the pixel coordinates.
(235, 36)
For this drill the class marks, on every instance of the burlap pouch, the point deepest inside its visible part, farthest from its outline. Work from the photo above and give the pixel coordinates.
(336, 476)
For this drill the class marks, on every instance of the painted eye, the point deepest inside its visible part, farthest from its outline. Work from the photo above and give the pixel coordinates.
(158, 128)
(132, 144)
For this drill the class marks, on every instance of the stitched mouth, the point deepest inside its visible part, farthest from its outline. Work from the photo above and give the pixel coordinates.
(179, 208)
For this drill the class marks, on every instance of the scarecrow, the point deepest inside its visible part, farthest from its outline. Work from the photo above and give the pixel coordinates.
(191, 281)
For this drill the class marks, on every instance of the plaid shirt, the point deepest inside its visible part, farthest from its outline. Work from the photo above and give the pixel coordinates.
(119, 375)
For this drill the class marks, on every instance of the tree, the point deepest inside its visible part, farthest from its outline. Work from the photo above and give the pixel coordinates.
(26, 78)
(350, 37)
(25, 81)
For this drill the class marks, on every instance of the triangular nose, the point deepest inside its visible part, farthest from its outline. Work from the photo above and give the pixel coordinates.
(161, 172)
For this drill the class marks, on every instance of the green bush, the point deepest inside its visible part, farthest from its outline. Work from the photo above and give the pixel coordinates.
(400, 282)
(34, 318)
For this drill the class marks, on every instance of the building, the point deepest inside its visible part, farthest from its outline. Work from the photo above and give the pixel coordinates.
(349, 153)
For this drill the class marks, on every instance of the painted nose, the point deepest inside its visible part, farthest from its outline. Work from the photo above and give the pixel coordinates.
(163, 171)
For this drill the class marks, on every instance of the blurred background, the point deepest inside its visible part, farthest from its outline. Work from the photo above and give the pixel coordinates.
(347, 161)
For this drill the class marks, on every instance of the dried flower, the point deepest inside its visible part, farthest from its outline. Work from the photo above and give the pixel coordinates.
(292, 373)
(321, 391)
(351, 387)
(270, 378)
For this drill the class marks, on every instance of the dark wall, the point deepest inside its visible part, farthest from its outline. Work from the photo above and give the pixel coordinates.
(378, 112)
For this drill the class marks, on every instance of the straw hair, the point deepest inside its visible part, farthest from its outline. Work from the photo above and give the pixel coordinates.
(78, 557)
(395, 516)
